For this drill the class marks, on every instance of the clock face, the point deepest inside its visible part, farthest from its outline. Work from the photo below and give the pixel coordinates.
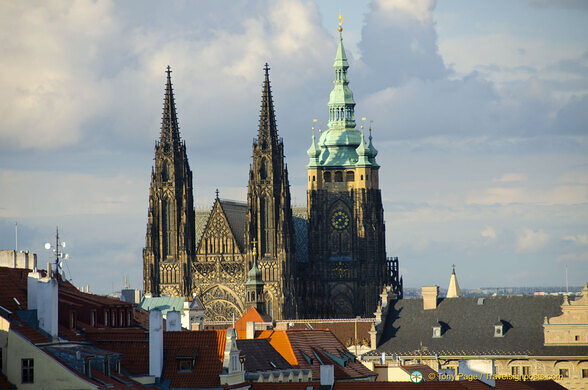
(340, 220)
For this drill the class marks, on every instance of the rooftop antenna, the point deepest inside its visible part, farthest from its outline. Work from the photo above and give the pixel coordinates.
(16, 236)
(58, 251)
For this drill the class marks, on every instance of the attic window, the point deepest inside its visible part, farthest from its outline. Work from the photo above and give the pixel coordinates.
(437, 332)
(498, 330)
(185, 365)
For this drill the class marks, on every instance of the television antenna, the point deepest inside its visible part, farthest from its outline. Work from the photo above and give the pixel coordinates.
(58, 251)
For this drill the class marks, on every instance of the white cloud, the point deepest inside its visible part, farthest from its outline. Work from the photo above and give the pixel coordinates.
(579, 239)
(489, 232)
(531, 241)
(421, 10)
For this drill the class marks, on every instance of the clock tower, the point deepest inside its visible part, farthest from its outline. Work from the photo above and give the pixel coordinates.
(347, 266)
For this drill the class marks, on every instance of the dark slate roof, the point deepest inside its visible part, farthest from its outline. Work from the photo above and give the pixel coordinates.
(261, 356)
(236, 214)
(201, 218)
(300, 222)
(468, 327)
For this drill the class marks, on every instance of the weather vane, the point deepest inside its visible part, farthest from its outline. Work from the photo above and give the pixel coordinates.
(341, 20)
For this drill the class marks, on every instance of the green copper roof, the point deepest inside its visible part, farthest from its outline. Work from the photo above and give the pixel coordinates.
(254, 275)
(338, 144)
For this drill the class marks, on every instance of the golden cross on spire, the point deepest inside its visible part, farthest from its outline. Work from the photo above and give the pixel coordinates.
(254, 248)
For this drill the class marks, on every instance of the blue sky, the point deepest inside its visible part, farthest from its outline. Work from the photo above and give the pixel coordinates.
(480, 116)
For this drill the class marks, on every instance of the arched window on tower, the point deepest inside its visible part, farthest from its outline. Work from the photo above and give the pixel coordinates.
(327, 177)
(167, 228)
(264, 169)
(349, 176)
(166, 173)
(338, 176)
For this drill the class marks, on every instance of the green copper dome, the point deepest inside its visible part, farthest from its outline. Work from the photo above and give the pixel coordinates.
(339, 143)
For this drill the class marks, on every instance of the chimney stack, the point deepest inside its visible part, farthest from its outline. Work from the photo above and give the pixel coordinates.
(173, 321)
(155, 343)
(250, 330)
(430, 294)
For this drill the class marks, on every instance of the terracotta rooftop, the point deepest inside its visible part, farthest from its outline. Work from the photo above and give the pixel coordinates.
(4, 384)
(423, 368)
(456, 385)
(207, 346)
(131, 343)
(309, 349)
(527, 385)
(14, 285)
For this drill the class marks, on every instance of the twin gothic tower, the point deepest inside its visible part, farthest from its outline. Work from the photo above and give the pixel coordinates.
(326, 261)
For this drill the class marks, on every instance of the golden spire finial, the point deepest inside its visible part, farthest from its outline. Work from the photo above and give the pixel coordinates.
(340, 22)
(254, 248)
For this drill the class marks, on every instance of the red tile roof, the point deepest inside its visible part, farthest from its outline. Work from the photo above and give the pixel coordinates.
(27, 331)
(14, 285)
(4, 384)
(427, 371)
(527, 385)
(131, 343)
(456, 385)
(208, 346)
(308, 348)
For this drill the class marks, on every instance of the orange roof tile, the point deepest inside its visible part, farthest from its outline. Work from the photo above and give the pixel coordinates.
(281, 343)
(251, 315)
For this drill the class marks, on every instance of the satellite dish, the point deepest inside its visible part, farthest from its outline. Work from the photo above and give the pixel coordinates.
(66, 256)
(47, 246)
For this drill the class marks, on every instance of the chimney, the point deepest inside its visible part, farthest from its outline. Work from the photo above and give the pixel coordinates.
(45, 295)
(155, 343)
(32, 282)
(430, 294)
(327, 375)
(173, 322)
(250, 330)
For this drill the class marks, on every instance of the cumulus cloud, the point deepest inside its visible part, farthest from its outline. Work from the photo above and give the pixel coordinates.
(531, 241)
(579, 239)
(489, 232)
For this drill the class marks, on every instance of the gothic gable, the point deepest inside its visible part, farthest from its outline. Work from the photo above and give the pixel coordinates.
(223, 233)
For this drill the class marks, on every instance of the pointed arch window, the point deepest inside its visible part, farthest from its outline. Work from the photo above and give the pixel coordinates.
(166, 172)
(265, 220)
(167, 228)
(264, 169)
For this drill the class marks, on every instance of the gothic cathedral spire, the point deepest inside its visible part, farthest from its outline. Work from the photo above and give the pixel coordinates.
(269, 213)
(169, 241)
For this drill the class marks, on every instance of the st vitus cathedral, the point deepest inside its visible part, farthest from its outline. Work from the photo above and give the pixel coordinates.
(326, 261)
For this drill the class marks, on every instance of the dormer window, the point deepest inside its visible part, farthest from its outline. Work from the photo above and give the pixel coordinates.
(185, 364)
(498, 330)
(437, 331)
